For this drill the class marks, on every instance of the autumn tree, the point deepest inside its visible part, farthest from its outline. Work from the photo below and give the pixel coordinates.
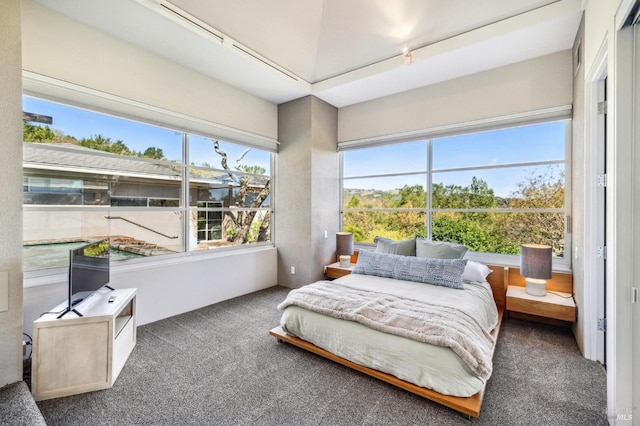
(539, 190)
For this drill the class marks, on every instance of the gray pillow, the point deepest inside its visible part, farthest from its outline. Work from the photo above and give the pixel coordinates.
(387, 245)
(439, 249)
(442, 272)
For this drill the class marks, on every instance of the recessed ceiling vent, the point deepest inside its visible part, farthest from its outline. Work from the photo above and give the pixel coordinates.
(191, 20)
(197, 26)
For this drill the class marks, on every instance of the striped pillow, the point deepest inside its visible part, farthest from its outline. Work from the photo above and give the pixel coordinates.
(442, 272)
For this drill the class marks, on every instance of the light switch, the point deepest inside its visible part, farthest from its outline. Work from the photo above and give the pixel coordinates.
(4, 291)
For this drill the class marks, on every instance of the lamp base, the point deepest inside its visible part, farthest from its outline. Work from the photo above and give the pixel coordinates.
(536, 287)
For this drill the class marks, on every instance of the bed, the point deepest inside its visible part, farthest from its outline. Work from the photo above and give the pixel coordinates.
(399, 347)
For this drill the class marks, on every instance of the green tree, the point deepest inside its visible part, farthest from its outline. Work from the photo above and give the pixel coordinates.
(153, 152)
(119, 148)
(33, 133)
(354, 203)
(97, 142)
(412, 197)
(256, 170)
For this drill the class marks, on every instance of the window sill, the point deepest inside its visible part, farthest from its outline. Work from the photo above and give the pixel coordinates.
(53, 276)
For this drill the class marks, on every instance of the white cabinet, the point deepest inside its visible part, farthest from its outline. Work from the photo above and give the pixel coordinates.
(76, 354)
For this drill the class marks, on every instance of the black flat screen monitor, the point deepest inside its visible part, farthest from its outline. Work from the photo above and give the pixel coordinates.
(88, 272)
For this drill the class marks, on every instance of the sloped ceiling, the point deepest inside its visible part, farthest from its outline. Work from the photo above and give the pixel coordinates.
(343, 51)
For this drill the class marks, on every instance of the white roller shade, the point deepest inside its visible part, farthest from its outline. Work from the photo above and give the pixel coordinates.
(83, 97)
(557, 113)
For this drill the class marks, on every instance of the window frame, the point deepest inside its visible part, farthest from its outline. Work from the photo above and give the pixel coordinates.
(95, 101)
(559, 263)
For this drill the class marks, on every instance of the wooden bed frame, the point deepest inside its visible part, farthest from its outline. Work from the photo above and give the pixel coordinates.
(469, 406)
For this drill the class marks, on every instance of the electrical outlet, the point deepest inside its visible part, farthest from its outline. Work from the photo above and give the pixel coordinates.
(293, 270)
(325, 234)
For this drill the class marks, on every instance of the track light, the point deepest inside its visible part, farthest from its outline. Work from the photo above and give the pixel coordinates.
(408, 56)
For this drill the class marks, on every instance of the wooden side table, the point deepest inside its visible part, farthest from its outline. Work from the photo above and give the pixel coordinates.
(549, 306)
(73, 354)
(336, 271)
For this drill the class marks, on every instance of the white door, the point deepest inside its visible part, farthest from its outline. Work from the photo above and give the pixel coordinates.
(600, 267)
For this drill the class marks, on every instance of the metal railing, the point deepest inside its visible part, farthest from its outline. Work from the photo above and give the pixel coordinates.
(142, 226)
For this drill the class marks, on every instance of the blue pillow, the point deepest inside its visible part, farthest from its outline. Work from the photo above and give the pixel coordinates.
(442, 272)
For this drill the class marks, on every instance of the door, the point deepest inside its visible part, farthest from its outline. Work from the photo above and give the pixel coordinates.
(601, 221)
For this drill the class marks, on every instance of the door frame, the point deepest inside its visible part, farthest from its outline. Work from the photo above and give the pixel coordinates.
(594, 343)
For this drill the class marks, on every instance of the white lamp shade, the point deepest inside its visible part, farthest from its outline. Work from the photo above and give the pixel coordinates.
(535, 261)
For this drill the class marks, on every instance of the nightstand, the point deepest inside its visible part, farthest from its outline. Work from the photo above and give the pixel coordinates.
(548, 306)
(336, 271)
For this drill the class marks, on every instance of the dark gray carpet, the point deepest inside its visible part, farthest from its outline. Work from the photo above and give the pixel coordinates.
(218, 366)
(17, 407)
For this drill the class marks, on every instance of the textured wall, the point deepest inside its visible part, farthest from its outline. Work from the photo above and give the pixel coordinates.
(11, 190)
(306, 195)
(325, 184)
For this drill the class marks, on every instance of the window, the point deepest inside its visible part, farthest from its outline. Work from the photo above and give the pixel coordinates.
(491, 191)
(229, 192)
(152, 190)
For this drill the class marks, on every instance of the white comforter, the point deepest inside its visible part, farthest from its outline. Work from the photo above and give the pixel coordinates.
(423, 321)
(426, 365)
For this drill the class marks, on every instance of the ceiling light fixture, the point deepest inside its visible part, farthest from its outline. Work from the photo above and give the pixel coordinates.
(408, 55)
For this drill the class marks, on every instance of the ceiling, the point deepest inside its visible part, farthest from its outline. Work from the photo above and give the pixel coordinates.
(342, 51)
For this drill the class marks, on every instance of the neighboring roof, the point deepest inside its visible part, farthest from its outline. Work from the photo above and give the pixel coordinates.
(78, 159)
(85, 160)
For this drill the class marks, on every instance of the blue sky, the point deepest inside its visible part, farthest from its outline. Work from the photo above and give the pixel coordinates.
(542, 142)
(138, 136)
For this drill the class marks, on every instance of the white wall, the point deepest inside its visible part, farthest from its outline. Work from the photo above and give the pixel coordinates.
(601, 32)
(59, 47)
(526, 86)
(10, 193)
(168, 287)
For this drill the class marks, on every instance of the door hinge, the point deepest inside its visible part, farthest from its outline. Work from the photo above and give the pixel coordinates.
(634, 295)
(602, 107)
(602, 324)
(568, 223)
(601, 252)
(601, 181)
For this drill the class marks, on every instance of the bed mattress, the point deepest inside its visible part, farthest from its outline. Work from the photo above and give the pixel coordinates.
(429, 366)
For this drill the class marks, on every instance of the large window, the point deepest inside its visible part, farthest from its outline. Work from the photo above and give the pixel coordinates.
(151, 190)
(491, 191)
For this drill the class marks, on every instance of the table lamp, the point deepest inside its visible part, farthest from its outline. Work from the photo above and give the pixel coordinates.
(535, 265)
(344, 248)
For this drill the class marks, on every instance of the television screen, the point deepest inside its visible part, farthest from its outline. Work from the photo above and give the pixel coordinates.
(88, 270)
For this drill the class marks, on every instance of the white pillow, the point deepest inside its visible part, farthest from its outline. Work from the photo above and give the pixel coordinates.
(476, 272)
